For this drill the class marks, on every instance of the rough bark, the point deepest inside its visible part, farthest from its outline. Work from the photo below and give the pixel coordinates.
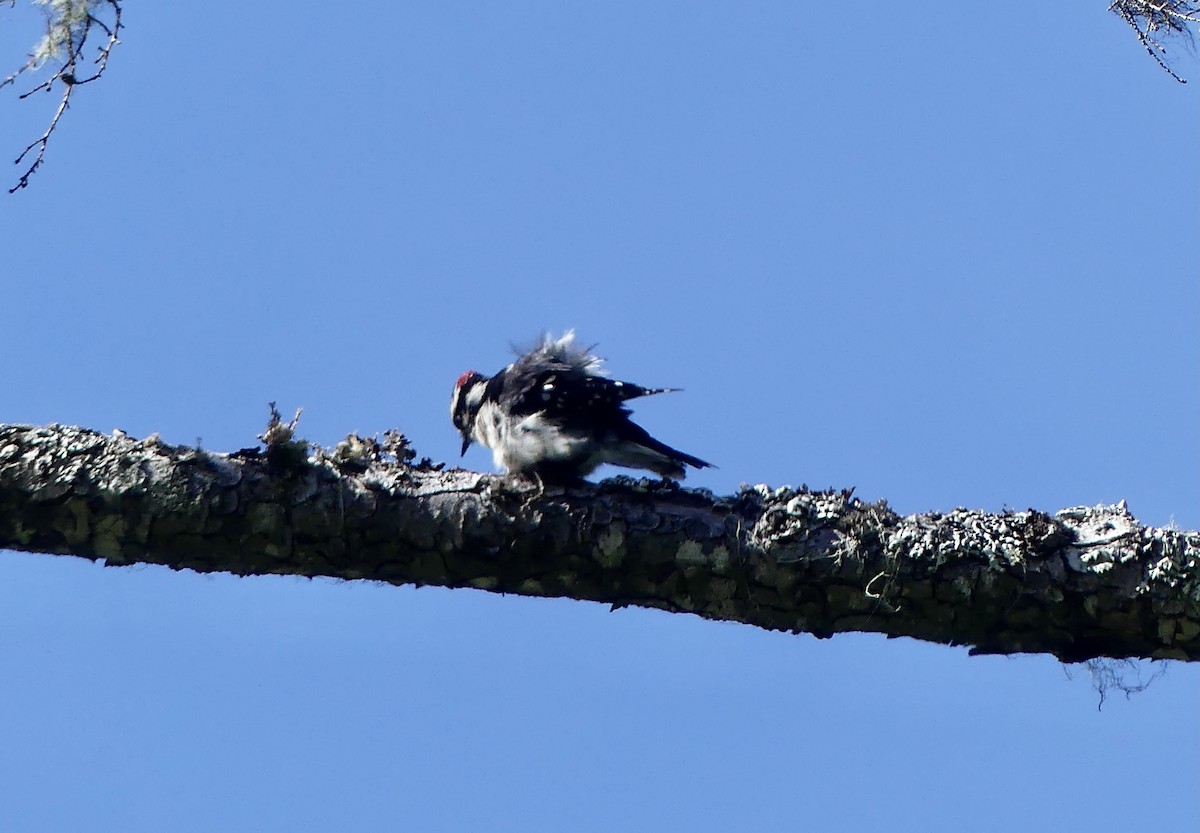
(1084, 583)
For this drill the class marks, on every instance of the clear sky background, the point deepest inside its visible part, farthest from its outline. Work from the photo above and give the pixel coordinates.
(944, 253)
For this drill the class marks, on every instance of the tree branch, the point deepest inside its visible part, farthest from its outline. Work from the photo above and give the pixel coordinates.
(1155, 21)
(68, 28)
(1084, 583)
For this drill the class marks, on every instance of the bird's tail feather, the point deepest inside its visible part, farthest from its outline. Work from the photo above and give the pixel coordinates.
(640, 450)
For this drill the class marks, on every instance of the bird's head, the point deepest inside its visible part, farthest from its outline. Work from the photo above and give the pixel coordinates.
(464, 404)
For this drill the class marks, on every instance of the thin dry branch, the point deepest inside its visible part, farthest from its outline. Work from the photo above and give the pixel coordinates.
(1083, 583)
(1157, 21)
(73, 57)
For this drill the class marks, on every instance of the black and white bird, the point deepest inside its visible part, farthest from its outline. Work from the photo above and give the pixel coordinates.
(554, 413)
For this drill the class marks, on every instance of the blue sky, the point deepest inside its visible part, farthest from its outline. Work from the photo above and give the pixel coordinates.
(948, 259)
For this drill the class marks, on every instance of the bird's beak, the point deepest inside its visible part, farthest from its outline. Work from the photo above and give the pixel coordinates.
(466, 444)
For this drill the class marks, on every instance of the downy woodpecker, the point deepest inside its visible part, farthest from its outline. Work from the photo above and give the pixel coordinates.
(555, 414)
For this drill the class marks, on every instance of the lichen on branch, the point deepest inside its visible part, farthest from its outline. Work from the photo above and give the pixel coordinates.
(1082, 583)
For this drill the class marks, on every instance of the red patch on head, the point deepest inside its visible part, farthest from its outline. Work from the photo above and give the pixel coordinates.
(462, 380)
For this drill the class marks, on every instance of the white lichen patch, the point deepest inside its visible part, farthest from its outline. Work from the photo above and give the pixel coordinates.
(1100, 524)
(767, 493)
(356, 450)
(1178, 566)
(793, 523)
(818, 506)
(278, 432)
(1104, 536)
(963, 533)
(448, 483)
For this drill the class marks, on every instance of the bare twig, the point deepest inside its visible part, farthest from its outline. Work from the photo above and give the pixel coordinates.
(75, 41)
(1155, 20)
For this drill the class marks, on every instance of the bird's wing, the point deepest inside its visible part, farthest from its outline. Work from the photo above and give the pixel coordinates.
(565, 393)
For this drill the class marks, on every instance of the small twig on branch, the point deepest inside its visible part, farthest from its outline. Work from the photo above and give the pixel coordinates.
(1153, 20)
(67, 37)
